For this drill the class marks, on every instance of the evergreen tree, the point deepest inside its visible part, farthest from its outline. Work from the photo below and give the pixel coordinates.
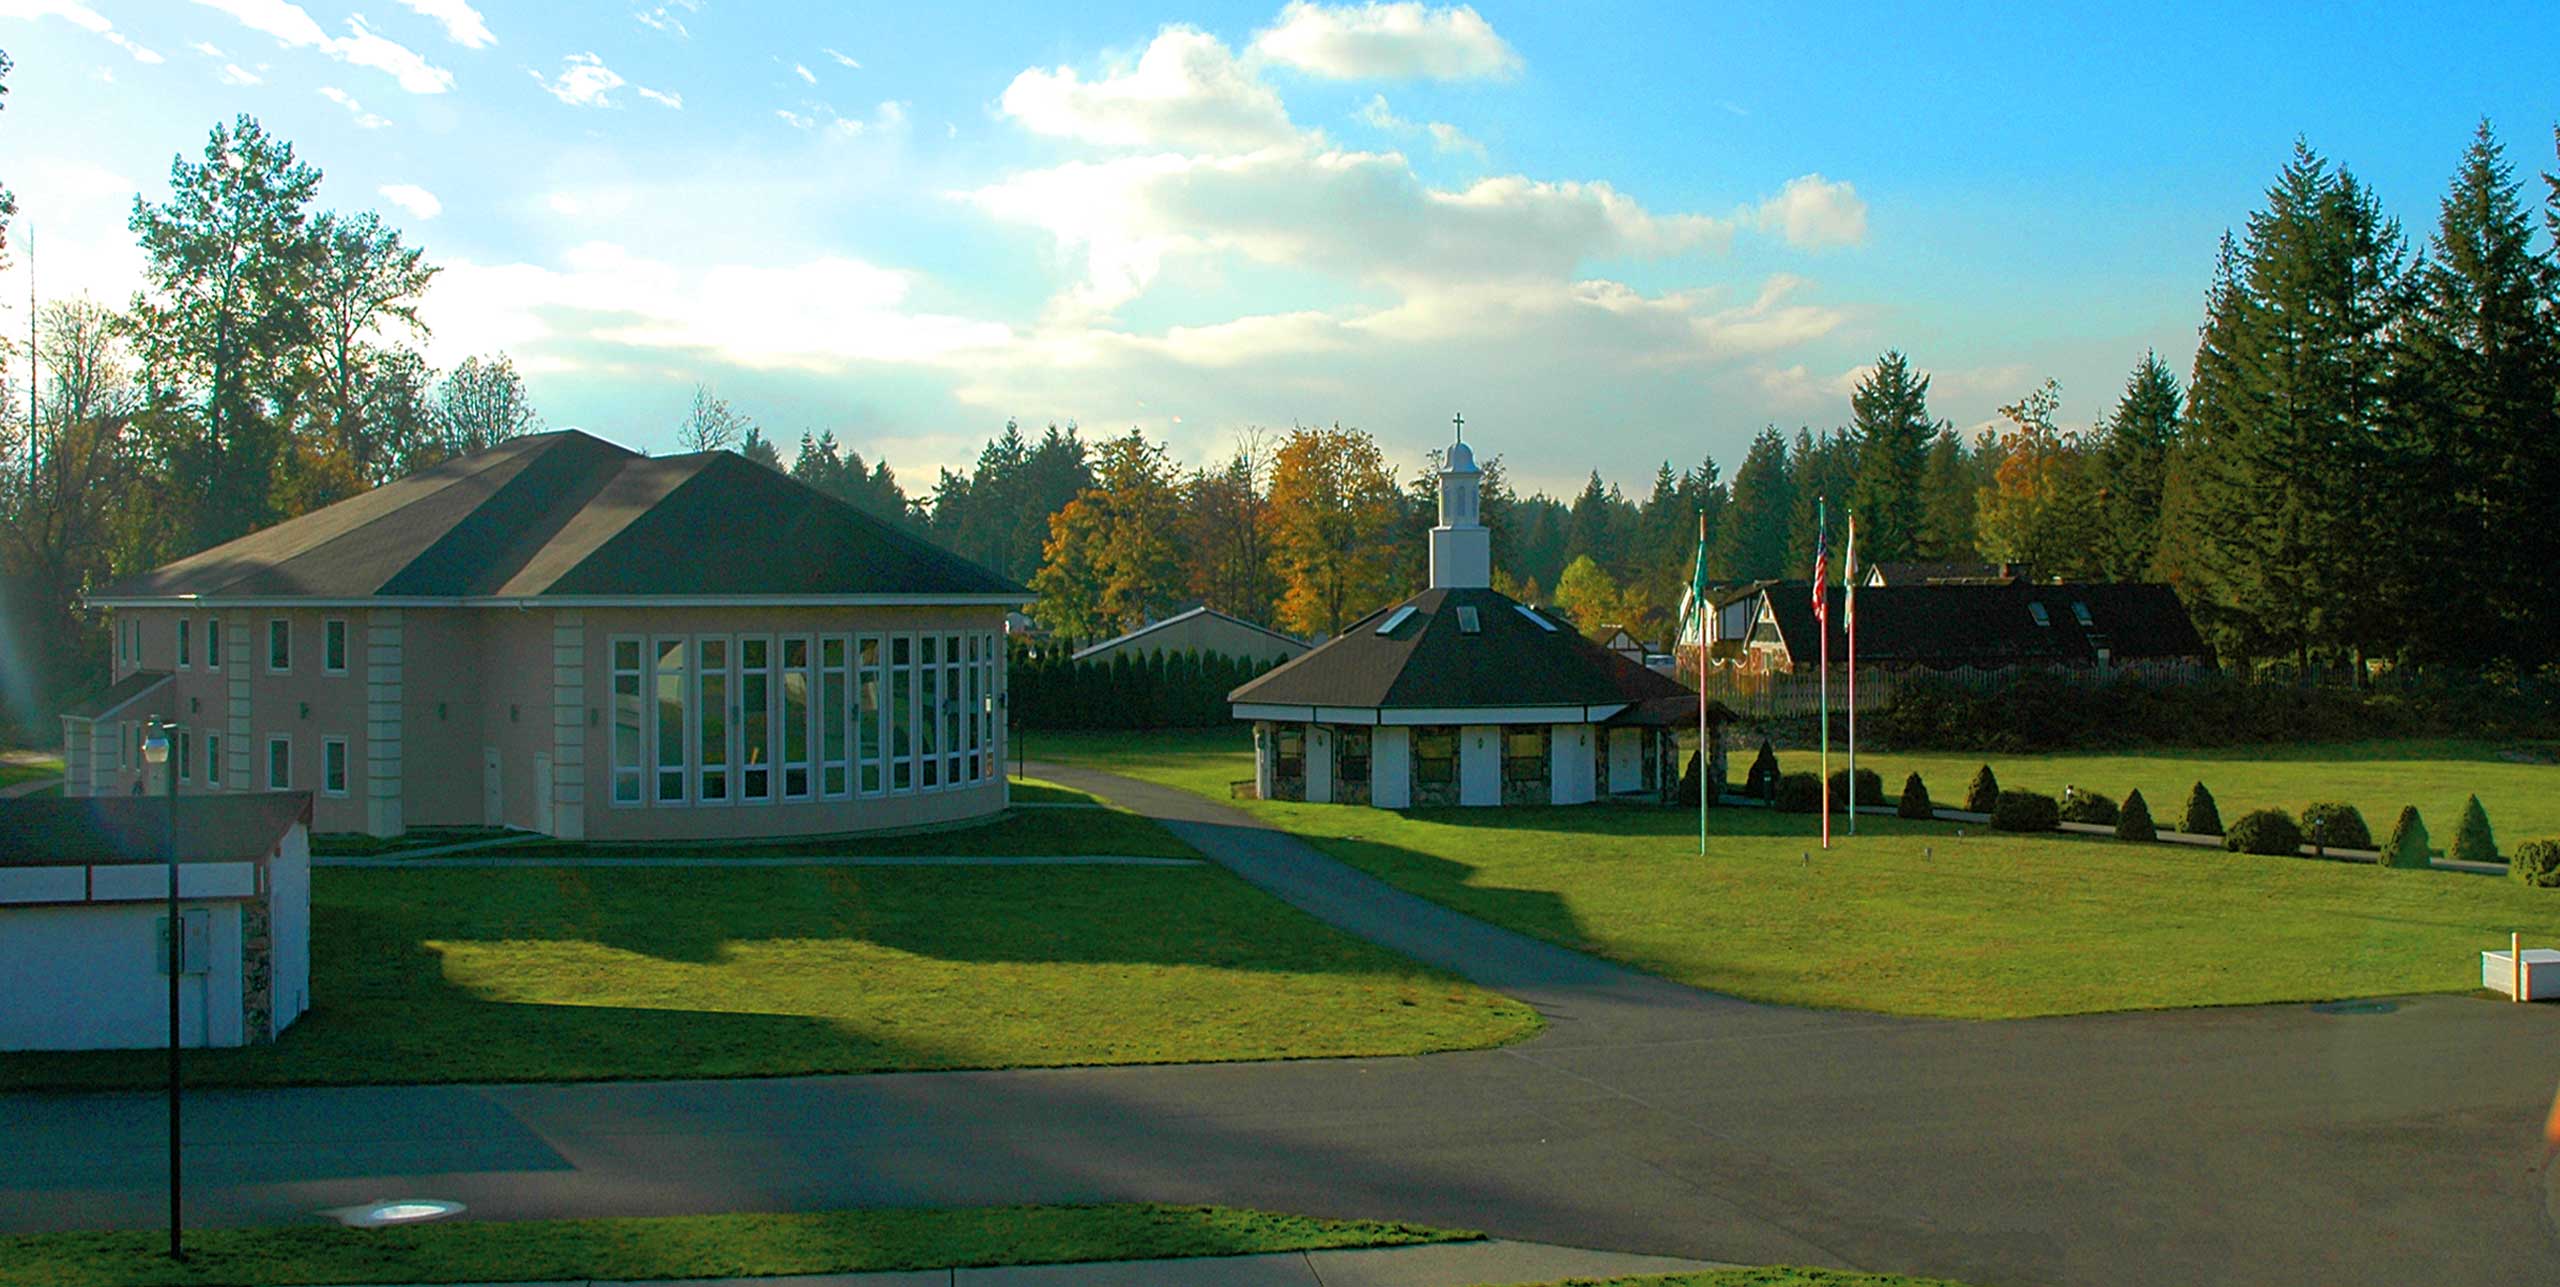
(1824, 469)
(1949, 488)
(2133, 822)
(2132, 470)
(1983, 792)
(1752, 544)
(2409, 844)
(2472, 840)
(1890, 429)
(2202, 818)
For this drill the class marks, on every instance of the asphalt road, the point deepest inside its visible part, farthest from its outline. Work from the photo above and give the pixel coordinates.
(2266, 1145)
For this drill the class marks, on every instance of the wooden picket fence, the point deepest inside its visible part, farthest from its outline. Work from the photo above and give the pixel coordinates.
(1756, 694)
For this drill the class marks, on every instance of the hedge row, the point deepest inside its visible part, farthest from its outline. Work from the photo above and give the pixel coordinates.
(1051, 690)
(2045, 712)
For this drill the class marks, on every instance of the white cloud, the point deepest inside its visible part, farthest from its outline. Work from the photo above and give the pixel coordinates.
(669, 98)
(1811, 211)
(235, 74)
(1444, 136)
(290, 25)
(462, 23)
(584, 81)
(805, 73)
(1386, 42)
(1187, 91)
(1449, 138)
(663, 19)
(821, 314)
(842, 60)
(204, 48)
(412, 198)
(795, 120)
(364, 120)
(82, 16)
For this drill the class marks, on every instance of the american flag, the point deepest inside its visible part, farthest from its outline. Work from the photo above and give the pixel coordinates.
(1821, 578)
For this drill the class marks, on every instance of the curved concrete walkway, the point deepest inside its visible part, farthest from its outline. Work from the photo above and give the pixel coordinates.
(2266, 1145)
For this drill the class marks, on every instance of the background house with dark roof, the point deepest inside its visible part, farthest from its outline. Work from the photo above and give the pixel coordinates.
(1988, 624)
(84, 888)
(1462, 695)
(1203, 630)
(561, 635)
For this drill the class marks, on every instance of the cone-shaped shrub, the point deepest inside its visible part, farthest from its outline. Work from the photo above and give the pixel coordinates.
(2537, 862)
(2202, 818)
(1762, 782)
(2265, 831)
(2472, 841)
(2133, 821)
(1915, 799)
(2335, 826)
(1984, 793)
(2408, 846)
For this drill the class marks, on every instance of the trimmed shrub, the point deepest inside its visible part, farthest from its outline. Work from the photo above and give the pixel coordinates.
(2202, 818)
(1915, 800)
(1798, 793)
(2133, 821)
(2265, 831)
(1984, 793)
(2536, 862)
(1762, 782)
(2408, 846)
(2081, 804)
(2024, 811)
(2331, 825)
(2473, 841)
(1870, 789)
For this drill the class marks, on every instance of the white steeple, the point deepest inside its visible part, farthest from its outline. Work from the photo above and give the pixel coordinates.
(1461, 547)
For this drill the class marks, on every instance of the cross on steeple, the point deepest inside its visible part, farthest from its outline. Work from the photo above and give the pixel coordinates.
(1460, 420)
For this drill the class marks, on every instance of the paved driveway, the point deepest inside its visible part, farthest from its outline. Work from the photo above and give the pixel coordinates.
(2264, 1145)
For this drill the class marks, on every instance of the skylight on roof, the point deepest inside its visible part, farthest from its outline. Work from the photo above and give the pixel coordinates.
(2036, 610)
(2080, 613)
(1468, 622)
(1394, 619)
(1543, 624)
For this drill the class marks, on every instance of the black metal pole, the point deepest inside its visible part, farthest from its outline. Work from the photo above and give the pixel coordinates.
(177, 962)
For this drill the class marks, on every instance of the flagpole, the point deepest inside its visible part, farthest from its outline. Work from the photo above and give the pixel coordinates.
(1698, 605)
(1822, 626)
(1849, 593)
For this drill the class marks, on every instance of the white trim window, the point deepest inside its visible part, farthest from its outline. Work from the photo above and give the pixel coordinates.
(755, 719)
(333, 766)
(870, 717)
(279, 762)
(798, 679)
(712, 721)
(968, 712)
(186, 753)
(929, 715)
(902, 714)
(186, 645)
(279, 646)
(630, 718)
(213, 643)
(952, 709)
(667, 718)
(835, 770)
(333, 646)
(213, 761)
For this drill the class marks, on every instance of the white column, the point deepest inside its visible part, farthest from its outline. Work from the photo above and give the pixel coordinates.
(237, 666)
(1266, 759)
(1391, 767)
(568, 784)
(383, 686)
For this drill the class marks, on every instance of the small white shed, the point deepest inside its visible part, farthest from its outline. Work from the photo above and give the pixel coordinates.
(84, 890)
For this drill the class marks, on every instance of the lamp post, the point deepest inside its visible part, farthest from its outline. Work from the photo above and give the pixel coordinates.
(155, 752)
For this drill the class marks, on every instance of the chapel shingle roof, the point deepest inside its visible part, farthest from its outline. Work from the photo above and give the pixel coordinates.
(1430, 662)
(569, 514)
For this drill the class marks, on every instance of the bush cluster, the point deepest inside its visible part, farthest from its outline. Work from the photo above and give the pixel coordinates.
(2133, 821)
(2039, 712)
(1797, 793)
(2335, 826)
(1915, 800)
(2265, 831)
(1870, 789)
(1984, 793)
(2025, 811)
(2080, 804)
(2536, 862)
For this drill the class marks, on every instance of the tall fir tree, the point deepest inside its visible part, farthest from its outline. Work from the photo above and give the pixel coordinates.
(1949, 487)
(2132, 470)
(1752, 544)
(1824, 469)
(1890, 428)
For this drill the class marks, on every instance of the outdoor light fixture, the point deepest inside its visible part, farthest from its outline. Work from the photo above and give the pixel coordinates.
(155, 752)
(386, 1212)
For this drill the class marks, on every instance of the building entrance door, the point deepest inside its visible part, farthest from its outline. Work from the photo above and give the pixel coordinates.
(1480, 764)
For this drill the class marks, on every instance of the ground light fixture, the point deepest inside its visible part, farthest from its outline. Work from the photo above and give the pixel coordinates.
(155, 752)
(383, 1213)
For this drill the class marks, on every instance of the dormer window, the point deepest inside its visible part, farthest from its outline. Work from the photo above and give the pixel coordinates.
(1468, 622)
(2080, 613)
(2037, 611)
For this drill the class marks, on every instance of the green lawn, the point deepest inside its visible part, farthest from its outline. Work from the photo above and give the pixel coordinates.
(2523, 800)
(470, 974)
(1035, 791)
(1016, 833)
(688, 1246)
(1910, 918)
(26, 766)
(1762, 1276)
(1203, 760)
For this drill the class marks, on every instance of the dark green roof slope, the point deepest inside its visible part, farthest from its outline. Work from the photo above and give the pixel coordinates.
(1430, 661)
(568, 514)
(42, 830)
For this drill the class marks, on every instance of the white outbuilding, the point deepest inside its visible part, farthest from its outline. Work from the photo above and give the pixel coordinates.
(1462, 695)
(84, 888)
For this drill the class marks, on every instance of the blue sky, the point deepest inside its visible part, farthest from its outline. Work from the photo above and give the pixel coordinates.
(1609, 234)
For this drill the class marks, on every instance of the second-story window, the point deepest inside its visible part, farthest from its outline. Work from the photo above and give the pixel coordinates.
(279, 645)
(333, 646)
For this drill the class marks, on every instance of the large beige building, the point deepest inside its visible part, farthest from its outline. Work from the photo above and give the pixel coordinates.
(563, 636)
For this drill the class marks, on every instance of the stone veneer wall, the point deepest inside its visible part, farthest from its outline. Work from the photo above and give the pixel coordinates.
(258, 969)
